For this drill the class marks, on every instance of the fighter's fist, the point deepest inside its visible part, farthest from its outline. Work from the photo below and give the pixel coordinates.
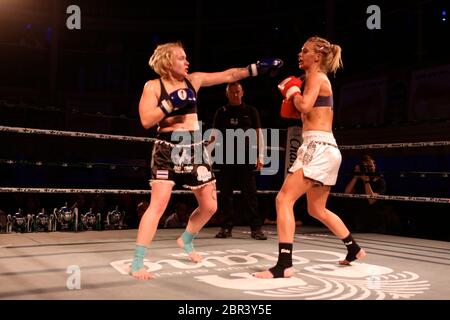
(178, 99)
(288, 110)
(268, 66)
(290, 86)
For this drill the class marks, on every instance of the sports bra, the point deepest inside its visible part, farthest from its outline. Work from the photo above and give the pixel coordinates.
(192, 108)
(324, 101)
(321, 101)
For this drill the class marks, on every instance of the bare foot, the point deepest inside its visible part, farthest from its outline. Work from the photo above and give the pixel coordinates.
(360, 255)
(194, 256)
(288, 272)
(141, 274)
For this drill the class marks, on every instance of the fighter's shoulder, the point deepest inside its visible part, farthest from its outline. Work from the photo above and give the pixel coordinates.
(317, 80)
(153, 86)
(317, 77)
(195, 79)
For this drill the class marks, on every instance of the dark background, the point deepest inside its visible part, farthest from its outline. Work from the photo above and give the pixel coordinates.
(90, 80)
(103, 66)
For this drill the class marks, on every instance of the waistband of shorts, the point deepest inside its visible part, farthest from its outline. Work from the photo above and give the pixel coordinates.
(319, 136)
(181, 138)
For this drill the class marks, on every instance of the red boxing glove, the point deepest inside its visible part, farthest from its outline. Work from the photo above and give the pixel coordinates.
(289, 111)
(290, 86)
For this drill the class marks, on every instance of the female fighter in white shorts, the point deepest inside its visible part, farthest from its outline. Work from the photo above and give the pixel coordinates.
(318, 159)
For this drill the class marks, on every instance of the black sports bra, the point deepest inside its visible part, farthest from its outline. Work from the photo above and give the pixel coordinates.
(192, 108)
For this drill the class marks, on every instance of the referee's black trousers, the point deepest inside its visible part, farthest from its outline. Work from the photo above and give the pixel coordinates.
(238, 177)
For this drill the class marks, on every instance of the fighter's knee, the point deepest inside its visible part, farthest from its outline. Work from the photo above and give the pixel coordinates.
(280, 198)
(210, 208)
(283, 200)
(155, 210)
(213, 208)
(315, 212)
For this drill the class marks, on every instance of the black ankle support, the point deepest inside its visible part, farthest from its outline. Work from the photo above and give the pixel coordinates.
(278, 271)
(352, 248)
(284, 260)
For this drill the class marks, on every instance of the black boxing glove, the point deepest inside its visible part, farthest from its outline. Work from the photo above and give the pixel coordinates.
(268, 66)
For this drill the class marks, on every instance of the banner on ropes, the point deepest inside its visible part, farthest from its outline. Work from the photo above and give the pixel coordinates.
(293, 142)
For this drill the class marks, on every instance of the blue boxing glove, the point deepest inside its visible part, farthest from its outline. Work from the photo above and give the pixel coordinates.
(268, 66)
(178, 99)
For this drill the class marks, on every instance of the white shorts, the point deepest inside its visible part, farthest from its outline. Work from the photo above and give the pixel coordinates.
(319, 157)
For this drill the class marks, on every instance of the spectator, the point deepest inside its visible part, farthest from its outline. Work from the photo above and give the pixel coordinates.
(370, 215)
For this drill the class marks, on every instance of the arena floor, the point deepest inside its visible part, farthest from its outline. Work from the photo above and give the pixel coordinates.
(91, 266)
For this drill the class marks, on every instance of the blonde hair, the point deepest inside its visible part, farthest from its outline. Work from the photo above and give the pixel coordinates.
(331, 53)
(161, 59)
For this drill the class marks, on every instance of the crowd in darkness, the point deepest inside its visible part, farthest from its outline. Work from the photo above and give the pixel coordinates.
(90, 80)
(102, 67)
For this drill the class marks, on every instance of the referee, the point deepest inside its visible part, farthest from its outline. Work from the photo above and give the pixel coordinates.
(238, 115)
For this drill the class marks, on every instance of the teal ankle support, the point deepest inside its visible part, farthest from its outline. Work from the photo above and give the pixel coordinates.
(138, 260)
(187, 238)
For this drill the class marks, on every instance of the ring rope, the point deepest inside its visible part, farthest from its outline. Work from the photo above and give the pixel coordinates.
(395, 198)
(144, 139)
(113, 166)
(102, 136)
(85, 165)
(396, 145)
(75, 134)
(119, 191)
(74, 111)
(403, 174)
